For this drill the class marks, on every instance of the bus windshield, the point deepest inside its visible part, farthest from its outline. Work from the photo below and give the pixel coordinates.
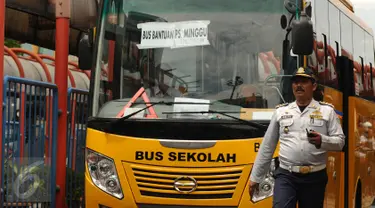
(198, 55)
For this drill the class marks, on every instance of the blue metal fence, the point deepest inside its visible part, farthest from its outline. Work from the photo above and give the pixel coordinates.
(29, 138)
(76, 141)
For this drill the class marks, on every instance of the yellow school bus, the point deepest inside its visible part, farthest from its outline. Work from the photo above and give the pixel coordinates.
(182, 92)
(349, 86)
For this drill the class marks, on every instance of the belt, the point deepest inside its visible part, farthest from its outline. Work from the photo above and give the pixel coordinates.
(303, 169)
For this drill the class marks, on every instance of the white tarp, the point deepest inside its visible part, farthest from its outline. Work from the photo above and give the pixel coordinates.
(173, 34)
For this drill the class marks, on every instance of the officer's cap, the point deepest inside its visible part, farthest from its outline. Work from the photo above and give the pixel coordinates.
(304, 72)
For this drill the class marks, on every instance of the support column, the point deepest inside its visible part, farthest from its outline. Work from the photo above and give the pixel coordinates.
(61, 80)
(2, 26)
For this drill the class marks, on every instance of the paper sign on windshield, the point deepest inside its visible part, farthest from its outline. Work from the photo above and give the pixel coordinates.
(186, 108)
(129, 111)
(262, 115)
(173, 34)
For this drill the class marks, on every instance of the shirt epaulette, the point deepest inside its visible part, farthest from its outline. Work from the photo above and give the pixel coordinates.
(325, 103)
(281, 105)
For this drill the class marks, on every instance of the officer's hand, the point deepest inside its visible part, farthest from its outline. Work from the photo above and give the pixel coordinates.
(315, 138)
(253, 188)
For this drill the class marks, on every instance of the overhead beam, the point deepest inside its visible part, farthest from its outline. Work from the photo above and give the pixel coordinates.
(23, 27)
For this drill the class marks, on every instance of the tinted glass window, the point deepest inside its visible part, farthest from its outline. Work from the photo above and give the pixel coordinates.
(334, 38)
(358, 54)
(317, 60)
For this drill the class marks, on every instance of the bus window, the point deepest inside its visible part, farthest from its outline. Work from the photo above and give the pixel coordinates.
(322, 38)
(334, 37)
(369, 63)
(240, 48)
(347, 40)
(358, 55)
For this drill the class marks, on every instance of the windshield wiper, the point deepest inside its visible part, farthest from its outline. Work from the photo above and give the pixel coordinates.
(152, 104)
(225, 113)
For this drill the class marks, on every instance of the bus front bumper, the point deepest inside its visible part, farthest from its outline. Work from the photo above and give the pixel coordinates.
(95, 197)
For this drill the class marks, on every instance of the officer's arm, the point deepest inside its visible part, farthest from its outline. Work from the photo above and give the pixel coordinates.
(335, 140)
(266, 150)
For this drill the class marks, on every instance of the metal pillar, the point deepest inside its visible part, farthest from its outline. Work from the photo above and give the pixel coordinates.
(2, 26)
(61, 80)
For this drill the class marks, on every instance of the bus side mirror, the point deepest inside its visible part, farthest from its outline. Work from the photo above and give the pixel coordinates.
(302, 37)
(85, 53)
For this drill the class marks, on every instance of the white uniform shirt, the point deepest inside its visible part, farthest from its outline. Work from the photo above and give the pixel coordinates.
(288, 125)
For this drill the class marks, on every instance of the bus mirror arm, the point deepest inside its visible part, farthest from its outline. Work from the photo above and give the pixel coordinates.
(286, 43)
(285, 56)
(85, 53)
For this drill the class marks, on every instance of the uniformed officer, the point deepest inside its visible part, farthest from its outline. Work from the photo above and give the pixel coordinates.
(306, 129)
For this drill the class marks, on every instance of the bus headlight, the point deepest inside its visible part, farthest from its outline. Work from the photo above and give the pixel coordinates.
(103, 173)
(266, 186)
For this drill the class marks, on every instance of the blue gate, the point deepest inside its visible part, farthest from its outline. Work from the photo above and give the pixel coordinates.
(29, 137)
(76, 142)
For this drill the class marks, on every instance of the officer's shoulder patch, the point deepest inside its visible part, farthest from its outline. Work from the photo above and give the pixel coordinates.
(326, 104)
(282, 105)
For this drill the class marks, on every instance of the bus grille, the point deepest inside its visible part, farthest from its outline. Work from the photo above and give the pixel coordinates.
(212, 183)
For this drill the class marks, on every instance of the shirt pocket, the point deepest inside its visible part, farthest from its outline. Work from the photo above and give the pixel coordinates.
(317, 122)
(286, 122)
(318, 125)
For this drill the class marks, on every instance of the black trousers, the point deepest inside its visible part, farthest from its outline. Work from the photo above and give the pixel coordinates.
(305, 189)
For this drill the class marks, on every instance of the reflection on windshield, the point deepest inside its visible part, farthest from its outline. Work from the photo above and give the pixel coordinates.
(215, 50)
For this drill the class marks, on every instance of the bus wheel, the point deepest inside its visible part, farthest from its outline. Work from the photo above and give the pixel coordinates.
(358, 196)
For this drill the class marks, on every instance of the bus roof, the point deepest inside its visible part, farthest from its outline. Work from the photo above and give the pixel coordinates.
(346, 6)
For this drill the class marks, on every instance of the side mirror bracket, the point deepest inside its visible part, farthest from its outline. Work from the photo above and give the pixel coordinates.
(85, 53)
